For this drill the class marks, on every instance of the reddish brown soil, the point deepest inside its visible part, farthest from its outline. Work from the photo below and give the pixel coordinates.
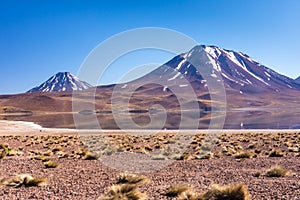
(76, 178)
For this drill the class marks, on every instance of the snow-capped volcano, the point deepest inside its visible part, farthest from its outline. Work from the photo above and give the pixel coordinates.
(237, 71)
(254, 96)
(62, 81)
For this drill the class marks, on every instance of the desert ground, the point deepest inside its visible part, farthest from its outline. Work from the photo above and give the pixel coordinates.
(75, 164)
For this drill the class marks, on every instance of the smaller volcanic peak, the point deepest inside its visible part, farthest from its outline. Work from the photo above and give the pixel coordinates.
(62, 81)
(298, 79)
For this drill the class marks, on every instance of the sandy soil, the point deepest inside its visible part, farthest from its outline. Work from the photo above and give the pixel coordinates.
(76, 178)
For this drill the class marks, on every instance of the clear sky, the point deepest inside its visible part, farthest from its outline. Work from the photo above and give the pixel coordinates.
(39, 38)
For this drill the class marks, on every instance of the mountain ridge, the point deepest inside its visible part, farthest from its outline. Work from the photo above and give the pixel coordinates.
(255, 96)
(238, 71)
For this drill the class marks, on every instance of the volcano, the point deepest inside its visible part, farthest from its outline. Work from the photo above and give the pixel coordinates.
(62, 81)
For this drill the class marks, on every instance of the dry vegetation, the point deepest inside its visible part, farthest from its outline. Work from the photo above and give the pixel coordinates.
(161, 146)
(216, 192)
(23, 179)
(51, 164)
(126, 188)
(244, 145)
(177, 190)
(277, 171)
(234, 192)
(126, 178)
(239, 146)
(50, 152)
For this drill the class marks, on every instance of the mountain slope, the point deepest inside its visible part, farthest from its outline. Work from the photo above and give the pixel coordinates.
(298, 79)
(255, 96)
(238, 71)
(62, 81)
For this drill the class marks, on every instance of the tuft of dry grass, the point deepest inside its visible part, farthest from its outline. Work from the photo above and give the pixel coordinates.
(21, 148)
(131, 178)
(244, 154)
(23, 179)
(276, 171)
(189, 195)
(42, 158)
(3, 154)
(276, 153)
(126, 188)
(90, 156)
(81, 152)
(177, 190)
(51, 164)
(124, 192)
(56, 149)
(230, 192)
(35, 182)
(4, 145)
(47, 153)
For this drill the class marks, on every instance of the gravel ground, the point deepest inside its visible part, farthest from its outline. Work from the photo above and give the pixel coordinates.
(80, 179)
(89, 179)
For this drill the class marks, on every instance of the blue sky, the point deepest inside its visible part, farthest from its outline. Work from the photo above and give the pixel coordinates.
(39, 38)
